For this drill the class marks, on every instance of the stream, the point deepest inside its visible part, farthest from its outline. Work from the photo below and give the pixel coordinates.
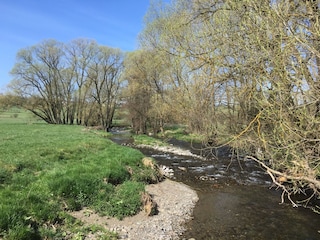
(235, 198)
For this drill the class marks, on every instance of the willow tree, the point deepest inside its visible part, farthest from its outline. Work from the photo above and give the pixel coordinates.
(69, 83)
(79, 55)
(105, 76)
(146, 91)
(189, 82)
(39, 76)
(254, 67)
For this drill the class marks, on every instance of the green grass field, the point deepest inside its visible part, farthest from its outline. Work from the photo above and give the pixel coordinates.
(48, 170)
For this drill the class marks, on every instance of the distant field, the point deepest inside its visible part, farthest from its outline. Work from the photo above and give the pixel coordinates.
(17, 115)
(48, 170)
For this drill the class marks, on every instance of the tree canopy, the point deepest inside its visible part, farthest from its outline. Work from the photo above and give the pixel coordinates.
(65, 83)
(247, 73)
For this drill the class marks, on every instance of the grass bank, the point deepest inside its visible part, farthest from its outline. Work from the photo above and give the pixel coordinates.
(48, 170)
(178, 132)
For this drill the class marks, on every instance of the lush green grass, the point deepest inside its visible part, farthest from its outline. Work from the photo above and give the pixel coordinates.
(48, 170)
(17, 115)
(180, 132)
(146, 140)
(175, 131)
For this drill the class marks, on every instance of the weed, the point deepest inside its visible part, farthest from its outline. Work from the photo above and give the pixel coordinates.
(22, 232)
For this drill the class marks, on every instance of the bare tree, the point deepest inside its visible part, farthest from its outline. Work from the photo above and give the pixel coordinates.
(68, 83)
(38, 73)
(80, 54)
(105, 75)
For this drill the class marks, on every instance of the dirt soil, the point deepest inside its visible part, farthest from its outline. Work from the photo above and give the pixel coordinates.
(175, 205)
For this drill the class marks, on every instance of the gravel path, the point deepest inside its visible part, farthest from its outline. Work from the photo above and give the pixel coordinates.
(175, 205)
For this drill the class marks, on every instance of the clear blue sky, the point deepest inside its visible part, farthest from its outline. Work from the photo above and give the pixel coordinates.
(23, 23)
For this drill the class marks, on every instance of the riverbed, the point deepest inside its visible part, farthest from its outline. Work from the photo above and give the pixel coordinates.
(236, 199)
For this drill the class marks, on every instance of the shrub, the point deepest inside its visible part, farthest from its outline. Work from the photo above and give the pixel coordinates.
(22, 232)
(116, 175)
(126, 200)
(146, 175)
(78, 190)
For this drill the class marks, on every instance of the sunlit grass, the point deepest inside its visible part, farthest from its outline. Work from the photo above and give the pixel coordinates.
(17, 115)
(146, 140)
(46, 170)
(180, 132)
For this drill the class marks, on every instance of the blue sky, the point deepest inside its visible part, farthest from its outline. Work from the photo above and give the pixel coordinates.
(23, 23)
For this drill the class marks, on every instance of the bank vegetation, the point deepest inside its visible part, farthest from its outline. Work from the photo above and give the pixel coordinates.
(241, 73)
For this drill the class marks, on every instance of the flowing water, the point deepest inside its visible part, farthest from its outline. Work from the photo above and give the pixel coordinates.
(235, 199)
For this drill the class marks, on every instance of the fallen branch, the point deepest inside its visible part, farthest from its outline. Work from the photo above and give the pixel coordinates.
(279, 177)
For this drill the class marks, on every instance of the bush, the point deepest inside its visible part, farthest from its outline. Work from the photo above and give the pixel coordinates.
(126, 200)
(77, 189)
(117, 175)
(146, 175)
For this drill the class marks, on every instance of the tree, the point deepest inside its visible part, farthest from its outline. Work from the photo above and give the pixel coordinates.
(80, 54)
(147, 90)
(105, 75)
(38, 74)
(248, 72)
(9, 100)
(138, 94)
(67, 83)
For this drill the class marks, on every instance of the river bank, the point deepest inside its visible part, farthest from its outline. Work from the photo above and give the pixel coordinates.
(235, 199)
(176, 202)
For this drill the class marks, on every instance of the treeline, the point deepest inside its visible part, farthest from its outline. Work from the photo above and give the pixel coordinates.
(67, 83)
(246, 72)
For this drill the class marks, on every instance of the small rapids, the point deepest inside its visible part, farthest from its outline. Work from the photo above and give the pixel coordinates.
(235, 198)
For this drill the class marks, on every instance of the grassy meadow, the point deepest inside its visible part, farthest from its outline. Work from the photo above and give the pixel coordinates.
(48, 170)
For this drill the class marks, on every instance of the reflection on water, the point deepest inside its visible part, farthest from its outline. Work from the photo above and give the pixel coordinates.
(249, 212)
(235, 201)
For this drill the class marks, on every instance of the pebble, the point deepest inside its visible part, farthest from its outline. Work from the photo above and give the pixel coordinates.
(176, 202)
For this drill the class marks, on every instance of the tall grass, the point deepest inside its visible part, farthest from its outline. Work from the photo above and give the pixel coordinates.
(48, 170)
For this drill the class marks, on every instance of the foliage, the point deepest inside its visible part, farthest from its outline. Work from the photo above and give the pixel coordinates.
(8, 101)
(181, 133)
(146, 140)
(126, 200)
(145, 91)
(47, 169)
(69, 83)
(247, 74)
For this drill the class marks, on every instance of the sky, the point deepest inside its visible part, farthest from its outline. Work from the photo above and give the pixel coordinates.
(24, 23)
